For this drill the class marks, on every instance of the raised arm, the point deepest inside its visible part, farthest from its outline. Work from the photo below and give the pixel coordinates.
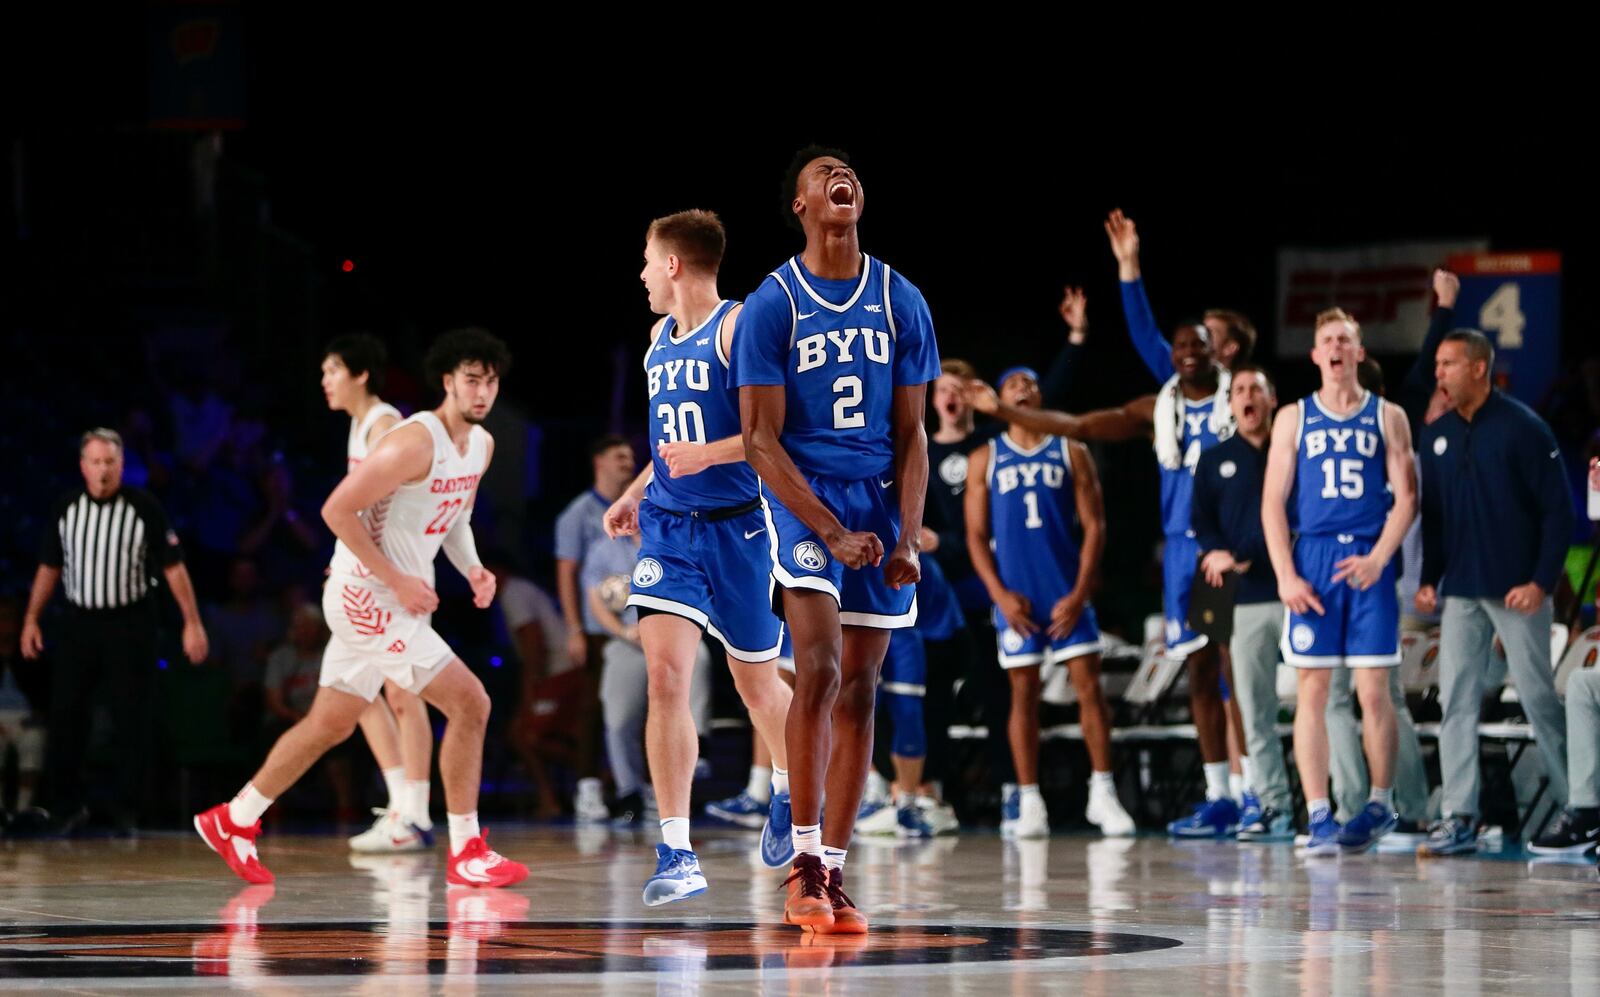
(1145, 334)
(1125, 422)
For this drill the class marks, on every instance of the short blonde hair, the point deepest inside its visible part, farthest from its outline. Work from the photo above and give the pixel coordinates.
(1332, 315)
(959, 368)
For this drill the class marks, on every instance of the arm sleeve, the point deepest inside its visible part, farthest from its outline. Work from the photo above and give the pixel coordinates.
(1555, 505)
(159, 534)
(1204, 516)
(916, 351)
(460, 546)
(761, 337)
(1058, 380)
(1433, 547)
(1155, 351)
(1418, 385)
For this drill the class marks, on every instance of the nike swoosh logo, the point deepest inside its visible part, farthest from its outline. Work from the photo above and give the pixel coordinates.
(886, 484)
(474, 870)
(806, 316)
(224, 835)
(755, 533)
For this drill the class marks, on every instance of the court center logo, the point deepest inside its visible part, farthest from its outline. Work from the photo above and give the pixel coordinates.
(1302, 637)
(809, 555)
(647, 572)
(953, 469)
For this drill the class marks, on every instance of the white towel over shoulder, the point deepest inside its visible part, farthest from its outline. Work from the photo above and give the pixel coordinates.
(1169, 418)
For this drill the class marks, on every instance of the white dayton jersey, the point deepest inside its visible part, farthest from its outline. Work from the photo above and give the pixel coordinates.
(357, 449)
(410, 524)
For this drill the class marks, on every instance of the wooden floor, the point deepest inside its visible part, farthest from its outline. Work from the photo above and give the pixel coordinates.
(973, 914)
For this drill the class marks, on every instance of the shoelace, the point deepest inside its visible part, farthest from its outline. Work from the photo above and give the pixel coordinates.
(836, 892)
(813, 881)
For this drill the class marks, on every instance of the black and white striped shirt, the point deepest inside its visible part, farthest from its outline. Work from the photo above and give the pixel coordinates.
(107, 550)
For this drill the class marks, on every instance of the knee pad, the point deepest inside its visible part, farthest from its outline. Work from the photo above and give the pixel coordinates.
(910, 734)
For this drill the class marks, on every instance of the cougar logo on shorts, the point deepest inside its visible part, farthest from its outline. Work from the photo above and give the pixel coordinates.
(810, 556)
(953, 469)
(363, 612)
(647, 572)
(1302, 637)
(1011, 641)
(398, 647)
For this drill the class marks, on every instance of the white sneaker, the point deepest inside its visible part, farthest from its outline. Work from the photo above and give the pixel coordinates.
(1106, 811)
(1010, 803)
(939, 815)
(1032, 821)
(876, 789)
(391, 832)
(884, 819)
(590, 804)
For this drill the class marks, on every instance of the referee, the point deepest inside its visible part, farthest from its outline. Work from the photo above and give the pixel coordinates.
(105, 543)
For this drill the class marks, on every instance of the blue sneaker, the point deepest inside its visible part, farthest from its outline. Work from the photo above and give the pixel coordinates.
(677, 877)
(1324, 838)
(910, 823)
(1269, 825)
(1010, 812)
(1211, 819)
(743, 810)
(777, 844)
(1364, 829)
(1451, 836)
(1249, 810)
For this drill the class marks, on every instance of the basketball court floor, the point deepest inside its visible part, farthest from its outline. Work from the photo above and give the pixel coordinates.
(968, 915)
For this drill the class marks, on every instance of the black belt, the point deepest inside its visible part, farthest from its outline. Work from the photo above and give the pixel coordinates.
(718, 515)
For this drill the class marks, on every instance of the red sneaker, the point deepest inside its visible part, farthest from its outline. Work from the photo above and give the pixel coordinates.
(236, 845)
(477, 865)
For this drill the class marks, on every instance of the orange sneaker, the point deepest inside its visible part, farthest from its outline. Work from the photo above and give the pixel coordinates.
(847, 920)
(808, 905)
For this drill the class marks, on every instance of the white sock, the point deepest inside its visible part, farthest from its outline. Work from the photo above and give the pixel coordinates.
(463, 828)
(807, 838)
(1384, 796)
(760, 786)
(1216, 780)
(1249, 774)
(247, 808)
(1030, 791)
(395, 780)
(416, 803)
(1236, 787)
(1318, 810)
(675, 832)
(780, 780)
(833, 858)
(1102, 781)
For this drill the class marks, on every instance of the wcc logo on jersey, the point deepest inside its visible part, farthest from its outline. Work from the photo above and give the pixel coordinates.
(694, 375)
(1029, 475)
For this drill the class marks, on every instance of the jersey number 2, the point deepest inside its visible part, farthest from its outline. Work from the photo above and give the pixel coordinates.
(848, 388)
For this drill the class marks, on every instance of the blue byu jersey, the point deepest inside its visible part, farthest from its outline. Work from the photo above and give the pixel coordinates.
(840, 348)
(1177, 484)
(1341, 484)
(690, 402)
(1033, 515)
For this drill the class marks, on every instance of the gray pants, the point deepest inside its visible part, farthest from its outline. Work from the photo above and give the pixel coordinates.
(624, 701)
(1347, 760)
(1467, 631)
(1257, 629)
(1583, 738)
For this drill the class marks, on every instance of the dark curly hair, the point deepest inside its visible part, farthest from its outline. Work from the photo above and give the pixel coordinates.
(361, 353)
(791, 178)
(469, 345)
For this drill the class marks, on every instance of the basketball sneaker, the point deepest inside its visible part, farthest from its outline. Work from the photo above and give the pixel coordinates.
(477, 865)
(808, 904)
(391, 832)
(236, 845)
(677, 877)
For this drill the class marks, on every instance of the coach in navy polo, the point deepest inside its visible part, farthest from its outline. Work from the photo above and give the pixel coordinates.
(1496, 520)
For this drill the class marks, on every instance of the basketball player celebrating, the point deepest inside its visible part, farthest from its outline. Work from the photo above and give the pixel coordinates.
(1343, 457)
(1188, 415)
(703, 562)
(412, 495)
(1031, 493)
(397, 731)
(832, 360)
